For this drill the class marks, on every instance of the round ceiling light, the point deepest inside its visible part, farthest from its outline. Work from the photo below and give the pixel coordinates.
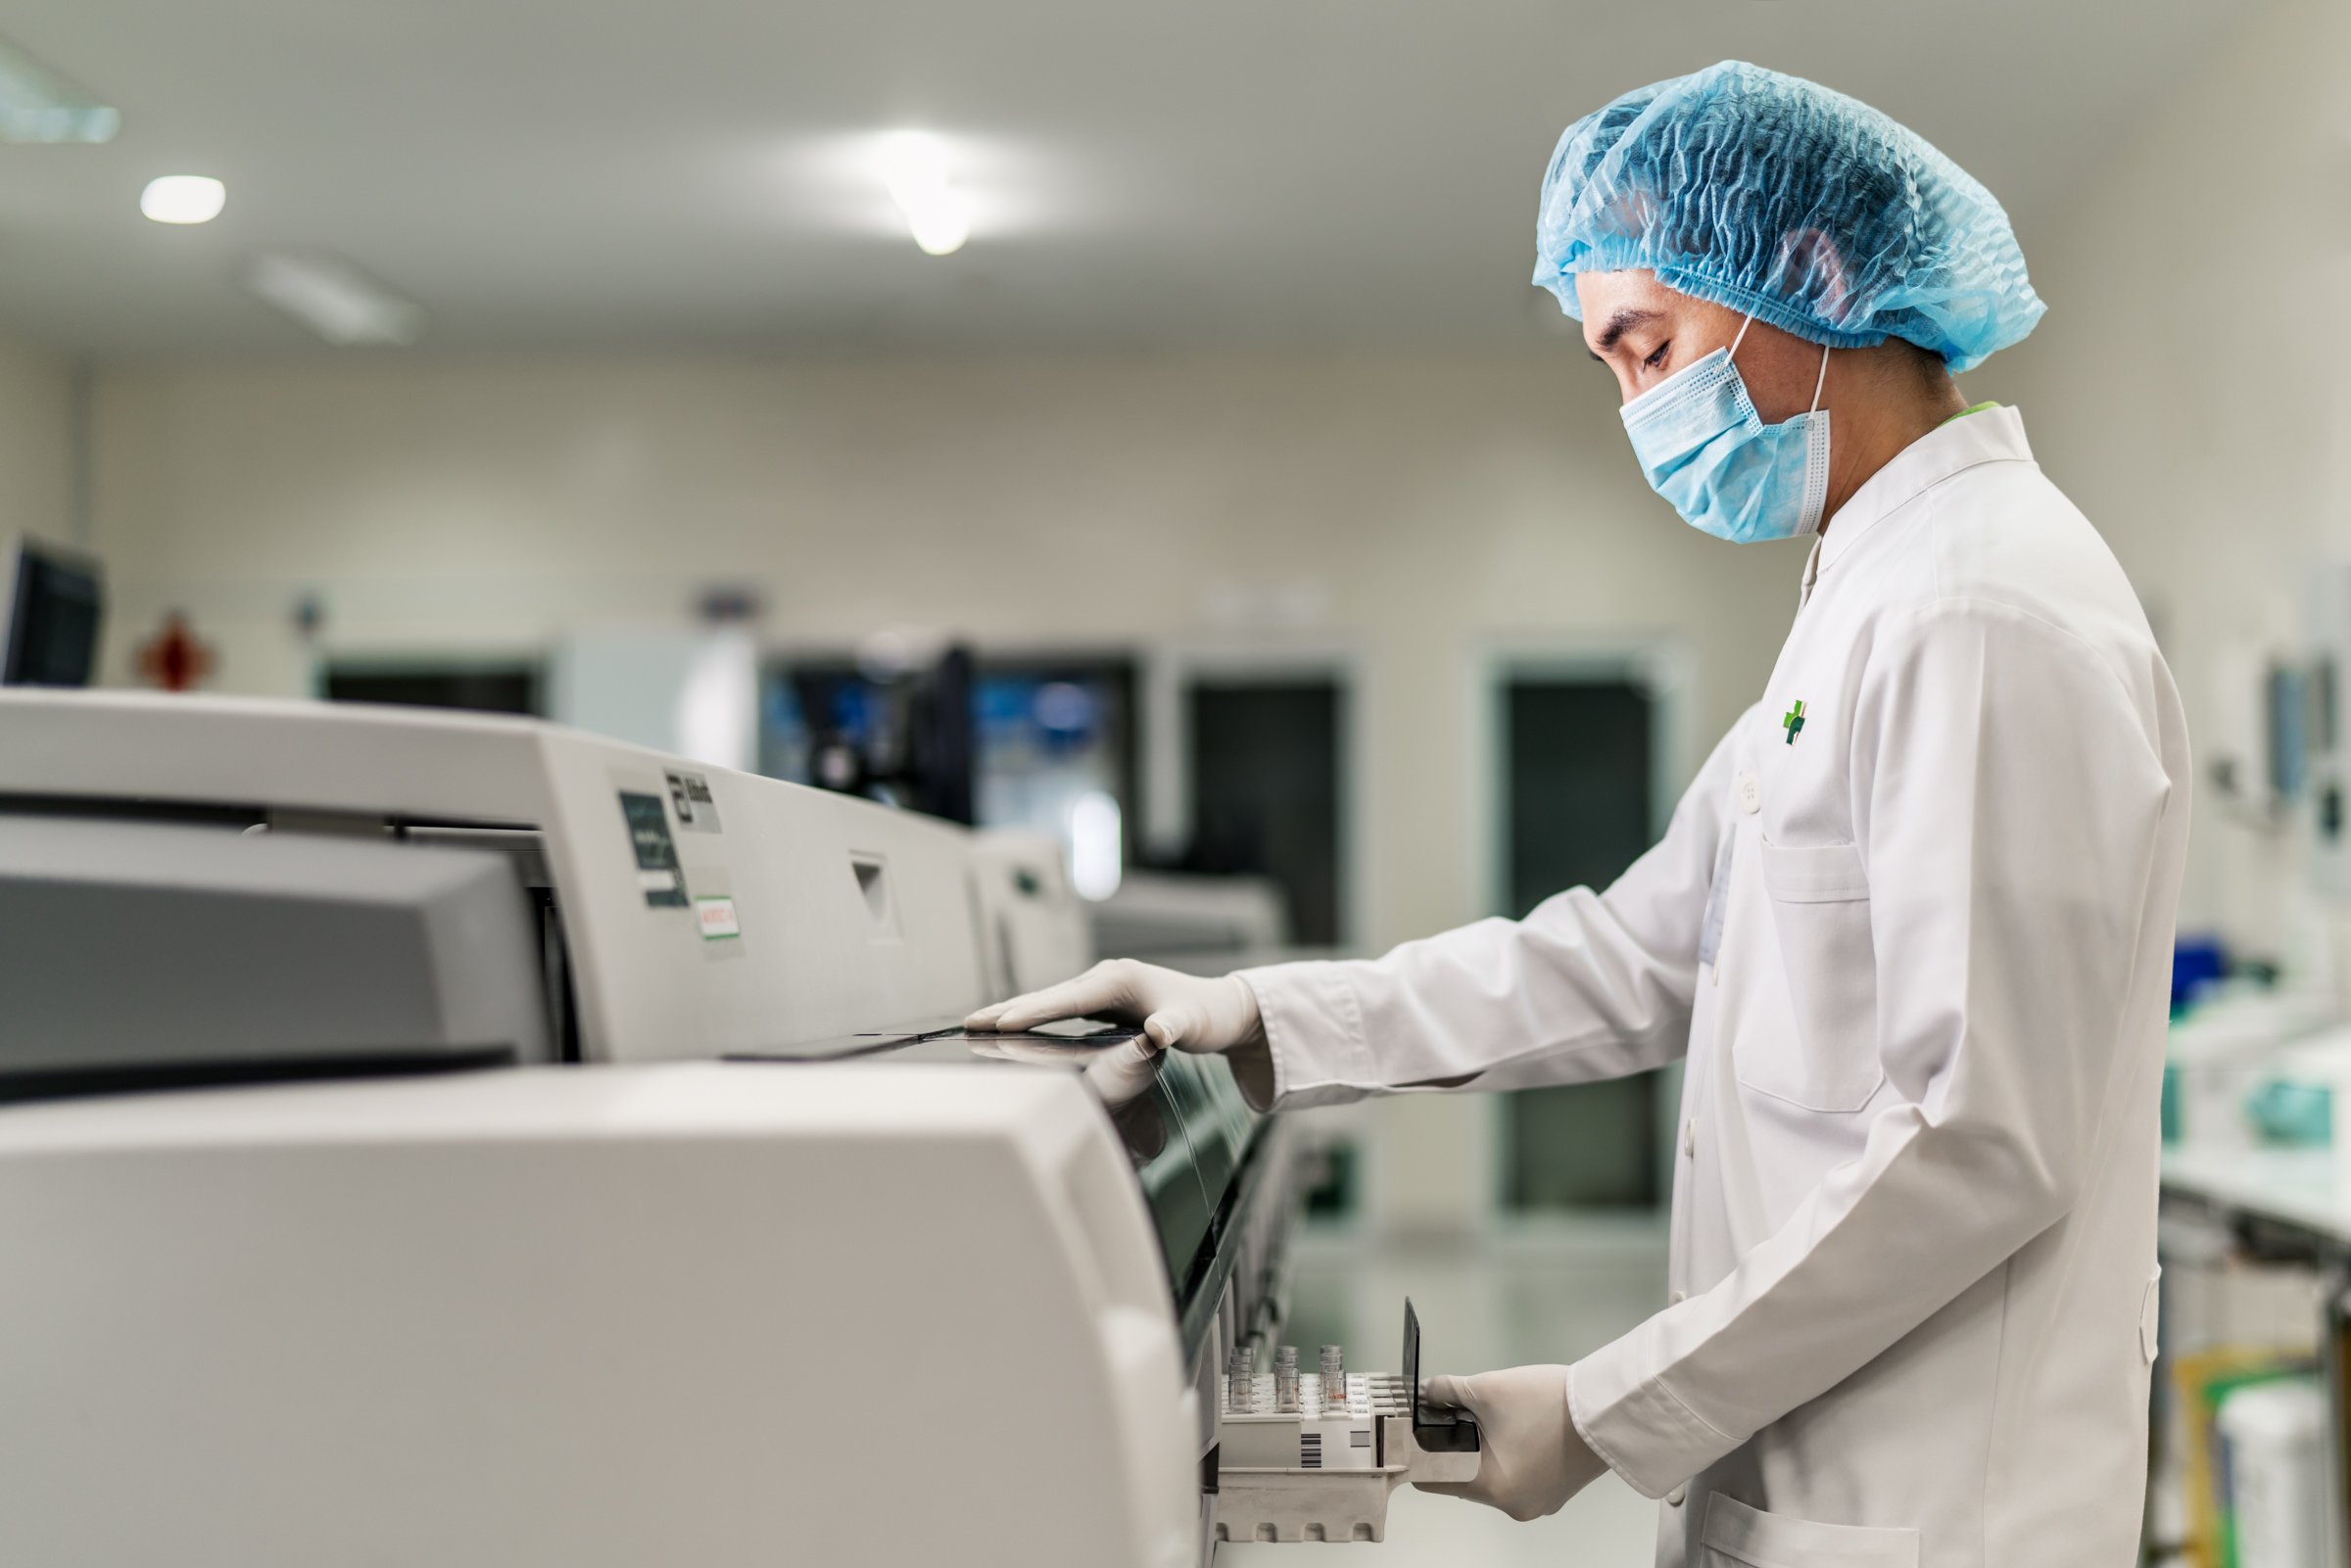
(184, 199)
(919, 172)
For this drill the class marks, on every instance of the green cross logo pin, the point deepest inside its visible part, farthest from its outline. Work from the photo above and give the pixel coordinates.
(1793, 722)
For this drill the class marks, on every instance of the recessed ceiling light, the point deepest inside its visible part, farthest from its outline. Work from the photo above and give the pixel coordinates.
(334, 299)
(184, 199)
(37, 105)
(921, 176)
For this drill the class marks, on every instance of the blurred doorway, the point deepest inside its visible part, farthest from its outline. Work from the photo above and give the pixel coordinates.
(1578, 760)
(1265, 790)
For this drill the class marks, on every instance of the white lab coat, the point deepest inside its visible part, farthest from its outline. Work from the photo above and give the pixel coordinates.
(1913, 1244)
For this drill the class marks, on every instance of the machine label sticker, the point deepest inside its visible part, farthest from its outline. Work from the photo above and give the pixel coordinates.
(690, 798)
(657, 870)
(717, 917)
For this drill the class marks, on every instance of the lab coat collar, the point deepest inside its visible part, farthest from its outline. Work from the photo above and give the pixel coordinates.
(1996, 435)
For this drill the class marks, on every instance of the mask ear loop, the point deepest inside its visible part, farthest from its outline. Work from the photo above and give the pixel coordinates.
(1819, 386)
(1816, 464)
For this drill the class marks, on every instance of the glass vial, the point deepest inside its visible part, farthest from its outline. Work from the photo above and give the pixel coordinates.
(1239, 1380)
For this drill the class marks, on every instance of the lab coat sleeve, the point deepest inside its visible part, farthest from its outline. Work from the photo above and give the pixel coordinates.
(2008, 799)
(1588, 985)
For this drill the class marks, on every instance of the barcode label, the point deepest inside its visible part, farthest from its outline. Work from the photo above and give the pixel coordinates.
(1310, 1450)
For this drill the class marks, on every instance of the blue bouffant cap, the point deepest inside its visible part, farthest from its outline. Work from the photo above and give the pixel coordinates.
(1778, 197)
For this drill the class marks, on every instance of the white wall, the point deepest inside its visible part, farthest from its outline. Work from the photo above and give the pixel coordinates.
(37, 443)
(2186, 387)
(1414, 513)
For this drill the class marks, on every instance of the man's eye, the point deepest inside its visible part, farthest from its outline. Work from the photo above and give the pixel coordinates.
(1656, 360)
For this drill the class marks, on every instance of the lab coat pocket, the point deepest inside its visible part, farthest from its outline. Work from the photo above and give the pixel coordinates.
(1819, 898)
(1740, 1537)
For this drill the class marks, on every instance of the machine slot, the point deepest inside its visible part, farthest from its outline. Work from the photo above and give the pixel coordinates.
(874, 888)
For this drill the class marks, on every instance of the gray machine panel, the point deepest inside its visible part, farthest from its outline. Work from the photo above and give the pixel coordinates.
(154, 952)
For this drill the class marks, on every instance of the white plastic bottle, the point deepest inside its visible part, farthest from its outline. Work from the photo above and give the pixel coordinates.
(2275, 1438)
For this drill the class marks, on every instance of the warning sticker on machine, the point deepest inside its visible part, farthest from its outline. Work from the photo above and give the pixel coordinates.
(717, 919)
(657, 872)
(690, 798)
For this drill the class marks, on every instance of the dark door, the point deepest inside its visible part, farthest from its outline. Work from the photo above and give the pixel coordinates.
(1265, 794)
(1576, 811)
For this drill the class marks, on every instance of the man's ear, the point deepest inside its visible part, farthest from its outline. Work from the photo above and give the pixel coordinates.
(1812, 267)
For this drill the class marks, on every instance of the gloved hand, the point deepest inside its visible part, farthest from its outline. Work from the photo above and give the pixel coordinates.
(1185, 1011)
(1532, 1460)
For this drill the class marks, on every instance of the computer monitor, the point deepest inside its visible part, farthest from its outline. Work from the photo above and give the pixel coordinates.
(51, 601)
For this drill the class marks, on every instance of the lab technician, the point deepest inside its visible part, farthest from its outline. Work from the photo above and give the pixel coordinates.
(1911, 926)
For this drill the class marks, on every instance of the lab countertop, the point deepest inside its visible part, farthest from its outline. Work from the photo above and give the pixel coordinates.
(2307, 1188)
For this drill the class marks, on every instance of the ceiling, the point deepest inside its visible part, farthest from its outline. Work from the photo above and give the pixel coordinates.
(591, 173)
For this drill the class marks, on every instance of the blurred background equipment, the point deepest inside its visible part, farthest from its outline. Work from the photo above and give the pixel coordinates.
(1199, 923)
(1044, 743)
(903, 733)
(52, 608)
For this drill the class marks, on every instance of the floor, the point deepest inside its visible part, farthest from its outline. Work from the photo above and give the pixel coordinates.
(1546, 1296)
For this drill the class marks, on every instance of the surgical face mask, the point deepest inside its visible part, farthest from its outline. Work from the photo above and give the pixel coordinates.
(1727, 472)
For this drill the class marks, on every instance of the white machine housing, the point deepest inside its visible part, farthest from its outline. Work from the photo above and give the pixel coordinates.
(698, 1312)
(863, 1293)
(849, 916)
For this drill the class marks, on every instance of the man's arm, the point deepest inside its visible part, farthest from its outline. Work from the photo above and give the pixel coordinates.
(1588, 985)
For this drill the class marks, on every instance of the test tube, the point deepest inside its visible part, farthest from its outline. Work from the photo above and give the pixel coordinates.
(1286, 1379)
(1334, 1375)
(1237, 1379)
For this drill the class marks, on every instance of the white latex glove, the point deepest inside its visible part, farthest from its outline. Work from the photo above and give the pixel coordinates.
(1531, 1458)
(1178, 1011)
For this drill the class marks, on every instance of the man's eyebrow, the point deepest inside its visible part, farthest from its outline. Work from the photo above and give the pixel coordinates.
(1621, 323)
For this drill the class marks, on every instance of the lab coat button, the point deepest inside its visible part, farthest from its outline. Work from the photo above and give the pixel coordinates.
(1673, 1499)
(1751, 793)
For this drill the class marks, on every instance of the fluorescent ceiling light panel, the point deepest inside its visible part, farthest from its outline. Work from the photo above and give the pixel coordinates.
(921, 176)
(37, 105)
(184, 199)
(334, 299)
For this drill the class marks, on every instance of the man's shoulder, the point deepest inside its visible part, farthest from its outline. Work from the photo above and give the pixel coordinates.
(2001, 541)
